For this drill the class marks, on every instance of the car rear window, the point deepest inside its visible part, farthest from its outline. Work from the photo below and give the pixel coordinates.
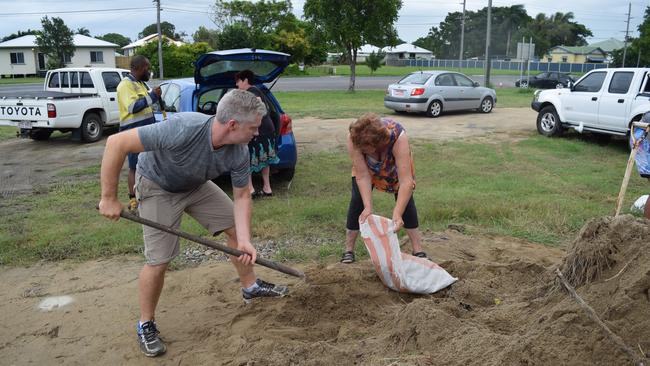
(232, 67)
(416, 78)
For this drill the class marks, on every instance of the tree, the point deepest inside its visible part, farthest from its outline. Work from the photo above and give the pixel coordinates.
(19, 34)
(637, 45)
(554, 30)
(116, 38)
(83, 31)
(177, 59)
(209, 36)
(166, 28)
(432, 42)
(373, 61)
(351, 24)
(55, 40)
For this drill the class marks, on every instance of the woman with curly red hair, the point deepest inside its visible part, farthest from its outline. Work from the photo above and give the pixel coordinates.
(381, 158)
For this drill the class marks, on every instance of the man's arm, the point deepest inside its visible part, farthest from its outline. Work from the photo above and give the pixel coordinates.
(133, 103)
(402, 153)
(362, 175)
(117, 147)
(243, 209)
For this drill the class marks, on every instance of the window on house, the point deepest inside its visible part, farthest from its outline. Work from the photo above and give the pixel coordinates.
(17, 58)
(67, 59)
(565, 59)
(97, 57)
(549, 59)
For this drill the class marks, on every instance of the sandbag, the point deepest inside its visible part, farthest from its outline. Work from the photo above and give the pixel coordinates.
(400, 271)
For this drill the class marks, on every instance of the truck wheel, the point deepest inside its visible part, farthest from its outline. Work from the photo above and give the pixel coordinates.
(91, 127)
(40, 134)
(486, 105)
(435, 108)
(548, 122)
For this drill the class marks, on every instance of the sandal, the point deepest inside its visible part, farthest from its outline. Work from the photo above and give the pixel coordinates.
(270, 194)
(348, 257)
(420, 254)
(256, 194)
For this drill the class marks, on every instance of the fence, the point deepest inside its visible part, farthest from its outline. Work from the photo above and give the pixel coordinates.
(123, 62)
(499, 65)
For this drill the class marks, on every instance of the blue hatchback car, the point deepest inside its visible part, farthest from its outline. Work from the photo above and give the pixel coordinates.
(214, 75)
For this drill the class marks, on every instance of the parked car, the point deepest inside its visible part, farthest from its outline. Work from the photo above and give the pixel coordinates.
(605, 101)
(435, 91)
(546, 80)
(214, 76)
(81, 100)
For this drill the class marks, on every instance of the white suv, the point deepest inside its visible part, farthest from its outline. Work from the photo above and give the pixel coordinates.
(605, 101)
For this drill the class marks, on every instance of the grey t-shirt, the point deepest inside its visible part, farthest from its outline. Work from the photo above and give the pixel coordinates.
(179, 155)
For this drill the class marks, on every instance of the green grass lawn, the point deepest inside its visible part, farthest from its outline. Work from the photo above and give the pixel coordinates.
(27, 80)
(343, 104)
(7, 132)
(538, 189)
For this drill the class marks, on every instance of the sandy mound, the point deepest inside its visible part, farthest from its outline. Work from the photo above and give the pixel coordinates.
(504, 310)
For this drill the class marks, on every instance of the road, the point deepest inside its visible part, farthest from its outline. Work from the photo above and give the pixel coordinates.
(310, 83)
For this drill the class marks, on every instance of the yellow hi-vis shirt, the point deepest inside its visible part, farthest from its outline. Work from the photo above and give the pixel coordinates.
(134, 102)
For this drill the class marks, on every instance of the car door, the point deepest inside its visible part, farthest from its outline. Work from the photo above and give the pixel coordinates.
(615, 102)
(445, 85)
(470, 95)
(111, 81)
(580, 104)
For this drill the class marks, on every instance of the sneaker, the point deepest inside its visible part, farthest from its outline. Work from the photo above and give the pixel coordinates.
(264, 289)
(150, 343)
(133, 205)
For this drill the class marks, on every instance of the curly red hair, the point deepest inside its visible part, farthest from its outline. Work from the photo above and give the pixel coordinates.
(369, 132)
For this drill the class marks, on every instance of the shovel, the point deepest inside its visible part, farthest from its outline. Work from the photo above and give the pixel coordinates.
(209, 243)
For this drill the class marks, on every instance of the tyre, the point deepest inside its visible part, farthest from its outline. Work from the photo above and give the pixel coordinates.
(91, 127)
(523, 84)
(434, 109)
(486, 105)
(285, 174)
(40, 134)
(548, 122)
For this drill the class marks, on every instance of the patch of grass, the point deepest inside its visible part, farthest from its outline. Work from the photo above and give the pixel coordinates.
(538, 189)
(343, 104)
(7, 132)
(27, 80)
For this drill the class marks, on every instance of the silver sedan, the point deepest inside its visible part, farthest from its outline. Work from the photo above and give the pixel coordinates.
(435, 91)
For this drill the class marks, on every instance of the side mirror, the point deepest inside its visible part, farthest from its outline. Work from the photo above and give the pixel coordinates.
(570, 85)
(476, 84)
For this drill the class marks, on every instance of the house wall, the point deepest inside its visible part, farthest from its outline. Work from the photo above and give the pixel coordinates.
(81, 58)
(28, 68)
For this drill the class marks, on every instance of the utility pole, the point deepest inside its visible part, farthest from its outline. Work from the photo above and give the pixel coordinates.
(487, 44)
(627, 29)
(160, 58)
(462, 33)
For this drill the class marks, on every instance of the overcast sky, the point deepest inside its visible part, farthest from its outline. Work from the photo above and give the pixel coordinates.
(605, 18)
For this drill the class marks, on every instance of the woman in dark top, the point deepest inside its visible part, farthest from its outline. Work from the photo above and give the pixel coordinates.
(262, 146)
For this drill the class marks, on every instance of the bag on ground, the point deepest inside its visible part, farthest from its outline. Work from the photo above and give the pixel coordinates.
(400, 271)
(642, 158)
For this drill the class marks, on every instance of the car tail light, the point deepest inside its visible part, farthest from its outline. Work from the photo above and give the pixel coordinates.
(387, 91)
(285, 124)
(417, 91)
(51, 110)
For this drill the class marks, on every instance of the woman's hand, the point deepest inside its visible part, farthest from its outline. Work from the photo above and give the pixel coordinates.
(398, 223)
(365, 214)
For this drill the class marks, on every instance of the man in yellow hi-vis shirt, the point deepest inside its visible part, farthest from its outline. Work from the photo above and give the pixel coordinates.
(135, 101)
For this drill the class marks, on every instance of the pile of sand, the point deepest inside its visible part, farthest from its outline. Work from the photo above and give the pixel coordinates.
(504, 310)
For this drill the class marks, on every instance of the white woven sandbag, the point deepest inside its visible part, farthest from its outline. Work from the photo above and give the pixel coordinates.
(400, 271)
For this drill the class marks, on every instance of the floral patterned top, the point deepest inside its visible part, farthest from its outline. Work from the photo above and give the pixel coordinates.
(384, 173)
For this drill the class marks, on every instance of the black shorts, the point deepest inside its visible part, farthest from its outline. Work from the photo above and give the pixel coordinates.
(410, 215)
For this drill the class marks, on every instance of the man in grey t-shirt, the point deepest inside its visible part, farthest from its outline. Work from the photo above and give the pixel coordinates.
(174, 175)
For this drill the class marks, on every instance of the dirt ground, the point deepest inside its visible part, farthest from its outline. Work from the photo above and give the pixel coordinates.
(505, 309)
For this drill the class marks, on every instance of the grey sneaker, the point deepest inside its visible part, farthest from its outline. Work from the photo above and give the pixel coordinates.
(264, 289)
(150, 344)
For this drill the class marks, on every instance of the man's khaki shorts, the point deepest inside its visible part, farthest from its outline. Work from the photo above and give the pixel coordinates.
(207, 204)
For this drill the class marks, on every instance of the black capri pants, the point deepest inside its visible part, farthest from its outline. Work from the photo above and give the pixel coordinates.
(410, 215)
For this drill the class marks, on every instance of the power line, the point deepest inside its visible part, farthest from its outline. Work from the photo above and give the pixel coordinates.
(78, 11)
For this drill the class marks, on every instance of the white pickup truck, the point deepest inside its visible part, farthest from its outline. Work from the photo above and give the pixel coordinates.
(604, 101)
(82, 100)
